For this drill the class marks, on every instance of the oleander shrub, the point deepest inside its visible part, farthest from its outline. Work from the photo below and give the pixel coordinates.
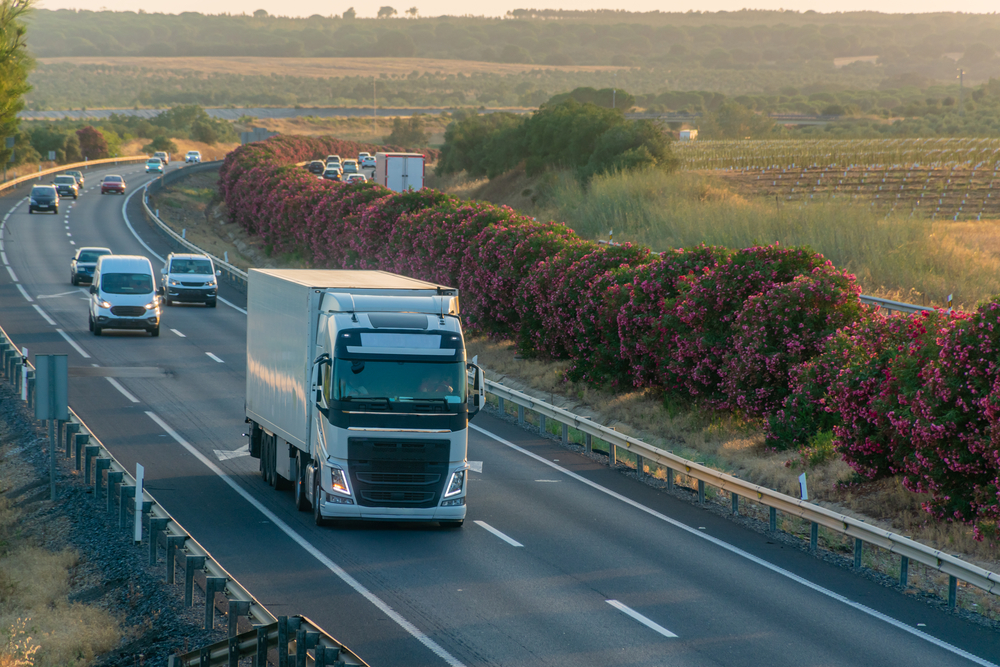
(781, 328)
(651, 293)
(374, 224)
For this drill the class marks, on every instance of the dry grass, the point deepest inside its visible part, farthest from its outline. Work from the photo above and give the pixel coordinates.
(357, 128)
(38, 626)
(319, 67)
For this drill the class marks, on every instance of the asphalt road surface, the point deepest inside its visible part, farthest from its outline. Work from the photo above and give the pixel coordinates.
(561, 561)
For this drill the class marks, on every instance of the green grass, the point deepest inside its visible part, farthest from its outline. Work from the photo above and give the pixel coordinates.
(895, 255)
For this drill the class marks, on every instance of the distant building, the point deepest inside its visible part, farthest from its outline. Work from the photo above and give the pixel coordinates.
(688, 135)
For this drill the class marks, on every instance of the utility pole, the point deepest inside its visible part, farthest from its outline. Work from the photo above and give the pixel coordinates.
(961, 91)
(374, 113)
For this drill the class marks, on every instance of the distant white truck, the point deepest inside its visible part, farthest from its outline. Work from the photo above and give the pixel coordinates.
(357, 393)
(400, 171)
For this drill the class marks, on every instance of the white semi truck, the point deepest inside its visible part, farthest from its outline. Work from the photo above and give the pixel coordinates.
(357, 393)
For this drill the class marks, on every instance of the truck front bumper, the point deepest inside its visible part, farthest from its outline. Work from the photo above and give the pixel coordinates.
(340, 511)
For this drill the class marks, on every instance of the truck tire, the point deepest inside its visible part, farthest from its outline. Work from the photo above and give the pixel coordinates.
(270, 461)
(301, 502)
(317, 517)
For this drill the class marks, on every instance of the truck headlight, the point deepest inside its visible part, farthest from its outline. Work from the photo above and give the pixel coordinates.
(103, 304)
(457, 483)
(338, 481)
(150, 306)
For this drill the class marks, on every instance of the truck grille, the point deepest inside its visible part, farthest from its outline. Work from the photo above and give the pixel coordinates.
(128, 311)
(398, 473)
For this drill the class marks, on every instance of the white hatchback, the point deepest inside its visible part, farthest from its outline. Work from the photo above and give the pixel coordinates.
(192, 156)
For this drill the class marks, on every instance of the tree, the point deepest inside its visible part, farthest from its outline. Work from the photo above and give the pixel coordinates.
(161, 143)
(260, 14)
(93, 145)
(204, 132)
(412, 11)
(350, 13)
(14, 66)
(386, 12)
(407, 133)
(71, 148)
(735, 121)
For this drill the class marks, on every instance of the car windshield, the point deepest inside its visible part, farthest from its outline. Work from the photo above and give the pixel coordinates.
(127, 283)
(90, 255)
(399, 381)
(112, 179)
(77, 174)
(154, 160)
(65, 180)
(199, 266)
(43, 192)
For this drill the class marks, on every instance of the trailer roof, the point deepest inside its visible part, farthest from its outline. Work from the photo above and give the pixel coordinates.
(333, 279)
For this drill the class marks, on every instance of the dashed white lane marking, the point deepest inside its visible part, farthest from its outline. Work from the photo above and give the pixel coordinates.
(212, 356)
(509, 540)
(24, 292)
(117, 385)
(73, 343)
(337, 570)
(45, 315)
(69, 234)
(889, 620)
(178, 333)
(225, 455)
(655, 627)
(549, 481)
(72, 242)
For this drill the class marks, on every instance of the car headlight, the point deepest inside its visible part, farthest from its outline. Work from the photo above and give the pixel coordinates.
(210, 283)
(150, 306)
(457, 483)
(103, 304)
(338, 481)
(173, 282)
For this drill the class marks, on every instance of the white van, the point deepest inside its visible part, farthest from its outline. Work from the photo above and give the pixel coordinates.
(123, 295)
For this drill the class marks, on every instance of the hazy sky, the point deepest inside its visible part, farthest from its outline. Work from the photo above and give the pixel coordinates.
(458, 7)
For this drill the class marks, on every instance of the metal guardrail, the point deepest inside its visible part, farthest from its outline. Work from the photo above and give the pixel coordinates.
(235, 275)
(76, 165)
(906, 548)
(895, 306)
(115, 490)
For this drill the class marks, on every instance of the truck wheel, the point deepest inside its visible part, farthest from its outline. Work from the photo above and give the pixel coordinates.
(317, 517)
(301, 502)
(271, 447)
(263, 456)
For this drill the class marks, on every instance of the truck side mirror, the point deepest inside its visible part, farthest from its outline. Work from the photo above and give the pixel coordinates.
(93, 289)
(478, 389)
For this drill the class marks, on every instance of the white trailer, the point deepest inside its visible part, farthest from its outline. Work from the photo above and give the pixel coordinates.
(357, 393)
(400, 171)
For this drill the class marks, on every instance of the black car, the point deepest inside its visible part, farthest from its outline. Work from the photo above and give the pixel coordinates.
(316, 166)
(43, 198)
(81, 269)
(66, 186)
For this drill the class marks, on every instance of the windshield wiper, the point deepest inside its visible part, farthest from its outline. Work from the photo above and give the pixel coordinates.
(429, 404)
(368, 402)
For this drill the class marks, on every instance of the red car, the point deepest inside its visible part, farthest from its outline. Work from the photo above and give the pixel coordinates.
(113, 184)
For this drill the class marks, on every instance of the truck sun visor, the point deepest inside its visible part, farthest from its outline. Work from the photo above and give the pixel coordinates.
(398, 321)
(412, 341)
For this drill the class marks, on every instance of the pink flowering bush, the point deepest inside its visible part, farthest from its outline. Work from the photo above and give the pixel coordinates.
(649, 294)
(781, 328)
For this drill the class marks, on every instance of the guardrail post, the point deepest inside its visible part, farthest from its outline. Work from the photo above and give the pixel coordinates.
(670, 478)
(813, 537)
(520, 415)
(589, 442)
(147, 507)
(213, 585)
(640, 466)
(260, 660)
(904, 571)
(773, 524)
(612, 454)
(234, 652)
(952, 592)
(174, 542)
(125, 493)
(237, 608)
(113, 478)
(81, 439)
(858, 547)
(101, 466)
(500, 405)
(736, 502)
(205, 657)
(91, 452)
(72, 429)
(31, 389)
(541, 424)
(190, 564)
(701, 491)
(156, 524)
(565, 434)
(18, 364)
(304, 640)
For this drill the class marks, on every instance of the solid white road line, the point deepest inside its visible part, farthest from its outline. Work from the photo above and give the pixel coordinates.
(655, 627)
(73, 343)
(13, 276)
(128, 223)
(24, 292)
(509, 540)
(3, 256)
(178, 333)
(44, 314)
(125, 392)
(744, 554)
(212, 356)
(311, 550)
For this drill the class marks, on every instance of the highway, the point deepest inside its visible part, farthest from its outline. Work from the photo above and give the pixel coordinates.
(561, 561)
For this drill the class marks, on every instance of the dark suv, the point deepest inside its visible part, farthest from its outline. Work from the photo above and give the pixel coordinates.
(43, 198)
(66, 186)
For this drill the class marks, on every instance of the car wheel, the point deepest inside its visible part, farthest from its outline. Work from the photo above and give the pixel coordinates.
(90, 322)
(97, 330)
(317, 517)
(168, 301)
(155, 332)
(31, 211)
(73, 281)
(56, 211)
(301, 502)
(210, 304)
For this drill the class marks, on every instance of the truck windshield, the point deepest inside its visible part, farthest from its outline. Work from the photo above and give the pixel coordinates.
(399, 381)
